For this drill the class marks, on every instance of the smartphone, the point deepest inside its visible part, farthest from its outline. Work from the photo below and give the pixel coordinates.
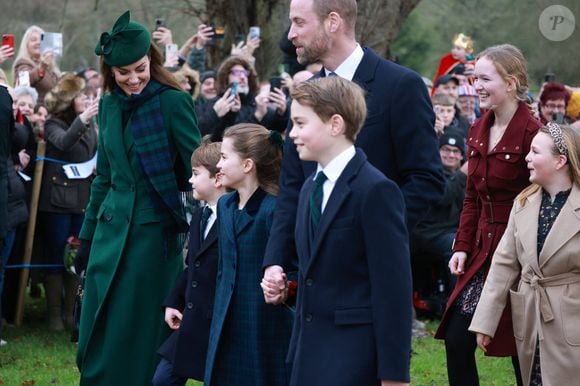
(8, 40)
(24, 79)
(275, 82)
(219, 32)
(234, 86)
(254, 32)
(159, 23)
(171, 49)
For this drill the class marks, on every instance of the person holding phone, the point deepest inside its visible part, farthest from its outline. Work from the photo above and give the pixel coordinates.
(71, 138)
(239, 101)
(39, 68)
(7, 47)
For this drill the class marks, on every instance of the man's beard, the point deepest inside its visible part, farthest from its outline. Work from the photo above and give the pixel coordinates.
(316, 50)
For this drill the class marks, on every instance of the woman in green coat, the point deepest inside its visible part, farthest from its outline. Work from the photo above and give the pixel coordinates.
(135, 223)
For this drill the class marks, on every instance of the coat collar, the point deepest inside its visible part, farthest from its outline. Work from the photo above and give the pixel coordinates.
(247, 215)
(513, 137)
(566, 225)
(365, 72)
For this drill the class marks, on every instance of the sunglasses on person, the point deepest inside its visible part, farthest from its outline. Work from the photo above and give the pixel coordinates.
(238, 72)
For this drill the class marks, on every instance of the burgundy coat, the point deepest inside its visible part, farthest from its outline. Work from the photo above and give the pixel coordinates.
(494, 180)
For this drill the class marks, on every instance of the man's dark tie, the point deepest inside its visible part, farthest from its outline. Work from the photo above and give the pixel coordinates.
(205, 215)
(332, 73)
(316, 199)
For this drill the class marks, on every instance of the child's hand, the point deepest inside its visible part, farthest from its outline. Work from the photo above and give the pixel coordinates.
(274, 285)
(173, 318)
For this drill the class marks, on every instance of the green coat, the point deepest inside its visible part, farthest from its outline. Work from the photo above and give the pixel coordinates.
(128, 277)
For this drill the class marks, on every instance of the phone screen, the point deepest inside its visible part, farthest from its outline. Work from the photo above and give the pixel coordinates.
(254, 32)
(8, 40)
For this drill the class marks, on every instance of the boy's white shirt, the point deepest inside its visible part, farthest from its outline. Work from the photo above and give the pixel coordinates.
(211, 219)
(333, 171)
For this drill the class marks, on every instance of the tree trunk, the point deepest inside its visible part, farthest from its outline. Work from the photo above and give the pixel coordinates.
(379, 22)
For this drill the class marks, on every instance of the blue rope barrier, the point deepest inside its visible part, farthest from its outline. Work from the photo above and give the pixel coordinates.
(20, 266)
(51, 160)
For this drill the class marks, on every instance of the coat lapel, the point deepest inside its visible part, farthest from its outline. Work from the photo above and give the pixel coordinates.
(115, 137)
(336, 200)
(302, 230)
(566, 225)
(208, 241)
(527, 225)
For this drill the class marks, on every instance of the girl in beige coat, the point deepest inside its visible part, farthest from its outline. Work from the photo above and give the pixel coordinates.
(539, 253)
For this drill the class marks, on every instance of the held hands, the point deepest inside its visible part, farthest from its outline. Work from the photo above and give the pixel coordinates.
(457, 263)
(274, 284)
(173, 318)
(483, 341)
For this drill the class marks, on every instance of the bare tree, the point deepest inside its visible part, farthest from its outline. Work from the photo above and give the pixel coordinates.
(379, 22)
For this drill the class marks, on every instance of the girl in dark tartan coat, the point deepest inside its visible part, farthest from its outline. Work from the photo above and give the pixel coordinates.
(248, 338)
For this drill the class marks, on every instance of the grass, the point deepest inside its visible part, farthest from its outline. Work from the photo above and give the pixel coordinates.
(36, 356)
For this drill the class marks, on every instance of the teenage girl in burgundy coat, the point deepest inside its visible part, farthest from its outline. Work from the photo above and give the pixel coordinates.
(497, 172)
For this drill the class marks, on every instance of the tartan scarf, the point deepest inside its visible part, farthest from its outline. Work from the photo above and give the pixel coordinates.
(154, 153)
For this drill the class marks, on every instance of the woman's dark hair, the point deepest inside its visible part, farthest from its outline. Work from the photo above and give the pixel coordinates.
(158, 72)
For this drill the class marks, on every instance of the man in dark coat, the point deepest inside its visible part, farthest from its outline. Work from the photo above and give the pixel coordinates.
(397, 136)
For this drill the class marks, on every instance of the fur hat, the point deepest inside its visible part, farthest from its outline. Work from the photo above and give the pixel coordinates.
(63, 94)
(126, 43)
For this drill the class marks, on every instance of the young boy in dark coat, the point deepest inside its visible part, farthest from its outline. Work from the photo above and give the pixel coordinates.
(353, 311)
(188, 307)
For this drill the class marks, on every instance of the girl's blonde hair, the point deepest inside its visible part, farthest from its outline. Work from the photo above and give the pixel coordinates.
(571, 137)
(510, 64)
(262, 146)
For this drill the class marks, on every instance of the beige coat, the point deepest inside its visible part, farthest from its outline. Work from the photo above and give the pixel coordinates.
(546, 304)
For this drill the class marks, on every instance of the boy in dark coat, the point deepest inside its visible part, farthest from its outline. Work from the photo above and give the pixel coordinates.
(188, 307)
(353, 312)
